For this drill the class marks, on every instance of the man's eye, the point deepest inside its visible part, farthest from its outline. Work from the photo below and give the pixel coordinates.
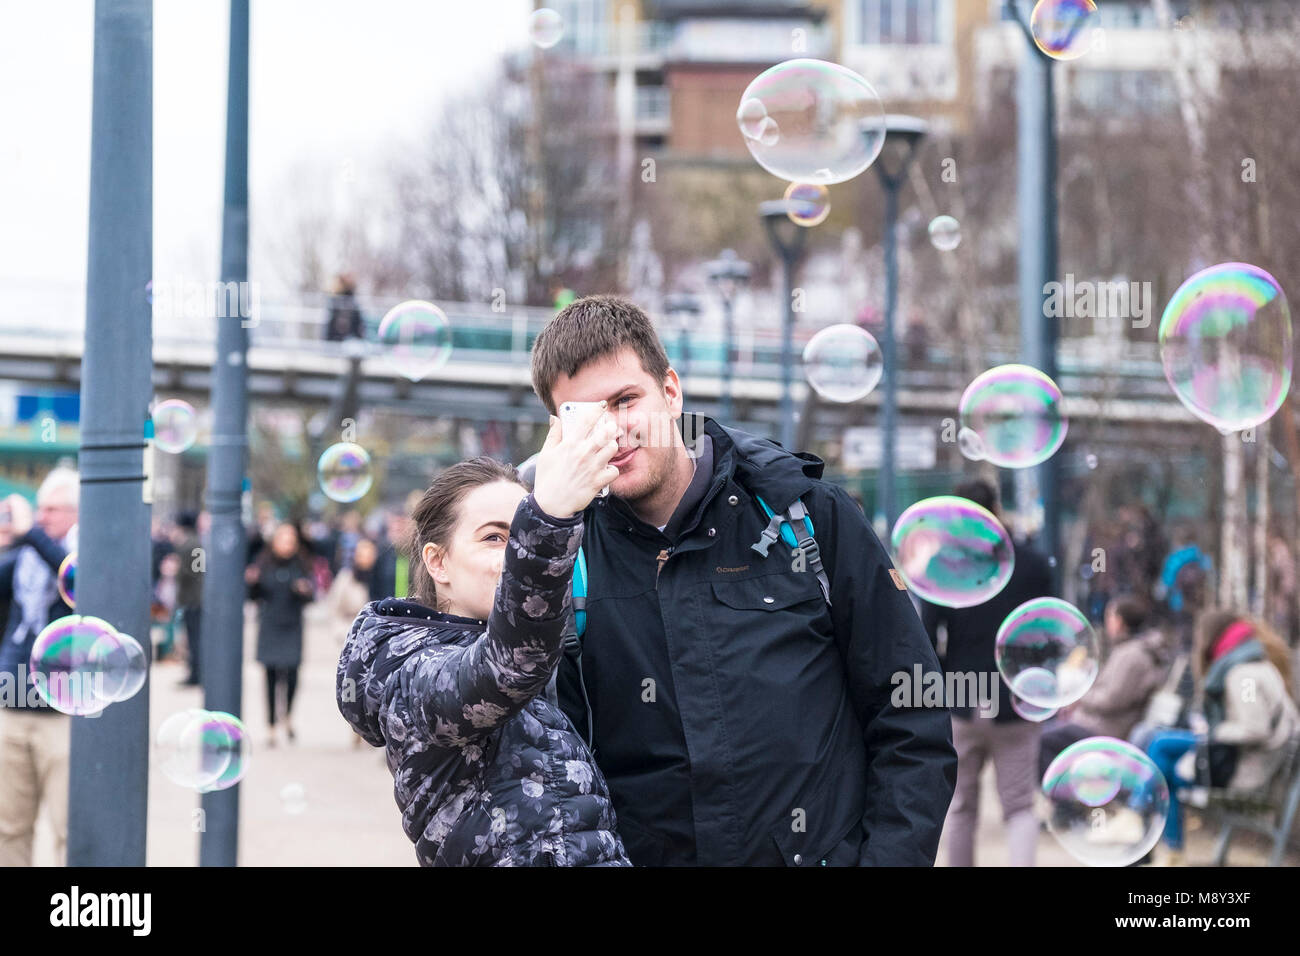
(624, 400)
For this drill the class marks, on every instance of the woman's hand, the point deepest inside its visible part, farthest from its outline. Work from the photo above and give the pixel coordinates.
(572, 468)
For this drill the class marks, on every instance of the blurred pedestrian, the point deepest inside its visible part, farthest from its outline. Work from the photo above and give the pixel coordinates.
(561, 294)
(189, 589)
(344, 320)
(392, 574)
(1007, 739)
(34, 737)
(350, 592)
(280, 580)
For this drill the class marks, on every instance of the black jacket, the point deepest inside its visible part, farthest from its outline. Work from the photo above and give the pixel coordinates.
(738, 719)
(279, 619)
(16, 648)
(486, 769)
(973, 631)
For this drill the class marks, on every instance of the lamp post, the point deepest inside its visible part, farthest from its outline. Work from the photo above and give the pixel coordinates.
(727, 273)
(683, 306)
(903, 135)
(788, 240)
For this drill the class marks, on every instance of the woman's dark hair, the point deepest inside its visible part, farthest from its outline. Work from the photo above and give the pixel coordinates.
(1132, 610)
(437, 512)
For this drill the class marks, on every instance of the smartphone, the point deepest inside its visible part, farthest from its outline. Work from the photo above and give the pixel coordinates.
(575, 412)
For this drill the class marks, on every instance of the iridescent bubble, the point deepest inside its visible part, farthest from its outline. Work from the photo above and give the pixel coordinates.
(1052, 636)
(178, 753)
(952, 552)
(1225, 341)
(1107, 801)
(945, 233)
(221, 734)
(809, 121)
(545, 28)
(417, 338)
(843, 363)
(1041, 680)
(1063, 29)
(72, 664)
(125, 667)
(344, 472)
(809, 203)
(66, 580)
(175, 426)
(969, 444)
(1015, 410)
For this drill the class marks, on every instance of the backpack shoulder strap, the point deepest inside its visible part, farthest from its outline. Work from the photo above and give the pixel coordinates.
(579, 598)
(795, 527)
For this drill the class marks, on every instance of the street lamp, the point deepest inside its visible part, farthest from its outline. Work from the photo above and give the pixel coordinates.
(727, 273)
(684, 306)
(903, 135)
(788, 240)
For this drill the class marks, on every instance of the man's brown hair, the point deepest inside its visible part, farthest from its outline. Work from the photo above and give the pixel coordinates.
(592, 328)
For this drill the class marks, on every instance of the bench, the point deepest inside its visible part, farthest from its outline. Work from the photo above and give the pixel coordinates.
(1270, 811)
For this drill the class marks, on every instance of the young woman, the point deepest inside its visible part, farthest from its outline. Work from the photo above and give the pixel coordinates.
(458, 684)
(1243, 679)
(280, 580)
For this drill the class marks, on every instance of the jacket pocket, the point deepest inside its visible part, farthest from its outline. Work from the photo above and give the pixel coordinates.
(770, 592)
(831, 833)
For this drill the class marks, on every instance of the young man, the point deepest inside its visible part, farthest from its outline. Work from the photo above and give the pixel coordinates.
(739, 716)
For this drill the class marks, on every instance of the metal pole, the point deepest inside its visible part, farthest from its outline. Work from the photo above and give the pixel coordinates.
(1036, 201)
(223, 581)
(889, 404)
(788, 258)
(109, 754)
(729, 345)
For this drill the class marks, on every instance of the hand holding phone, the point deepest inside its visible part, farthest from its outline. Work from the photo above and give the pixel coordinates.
(574, 463)
(578, 414)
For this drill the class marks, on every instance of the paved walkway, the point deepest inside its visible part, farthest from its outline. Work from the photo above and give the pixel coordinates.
(323, 802)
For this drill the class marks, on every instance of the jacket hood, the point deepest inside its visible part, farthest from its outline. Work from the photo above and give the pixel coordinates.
(381, 637)
(761, 465)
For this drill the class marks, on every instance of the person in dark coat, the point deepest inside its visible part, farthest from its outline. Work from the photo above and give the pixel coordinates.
(280, 581)
(344, 320)
(486, 768)
(740, 716)
(189, 589)
(1000, 734)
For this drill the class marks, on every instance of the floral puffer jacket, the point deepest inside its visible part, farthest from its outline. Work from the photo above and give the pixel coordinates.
(487, 770)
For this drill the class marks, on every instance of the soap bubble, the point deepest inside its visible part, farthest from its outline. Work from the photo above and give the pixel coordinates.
(545, 28)
(1047, 652)
(75, 665)
(417, 338)
(952, 552)
(175, 426)
(809, 203)
(843, 363)
(969, 444)
(1108, 801)
(203, 750)
(945, 233)
(344, 472)
(809, 121)
(1225, 341)
(66, 580)
(1015, 410)
(1063, 29)
(1033, 712)
(125, 667)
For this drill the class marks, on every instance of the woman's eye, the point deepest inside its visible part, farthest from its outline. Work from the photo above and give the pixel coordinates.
(495, 536)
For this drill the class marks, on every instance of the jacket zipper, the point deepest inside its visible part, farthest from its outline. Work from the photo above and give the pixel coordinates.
(662, 559)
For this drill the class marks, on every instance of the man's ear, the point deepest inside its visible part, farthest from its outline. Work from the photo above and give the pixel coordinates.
(434, 562)
(673, 393)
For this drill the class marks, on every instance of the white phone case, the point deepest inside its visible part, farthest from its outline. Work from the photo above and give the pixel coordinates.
(569, 413)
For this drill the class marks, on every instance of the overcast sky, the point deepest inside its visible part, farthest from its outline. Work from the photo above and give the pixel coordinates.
(335, 84)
